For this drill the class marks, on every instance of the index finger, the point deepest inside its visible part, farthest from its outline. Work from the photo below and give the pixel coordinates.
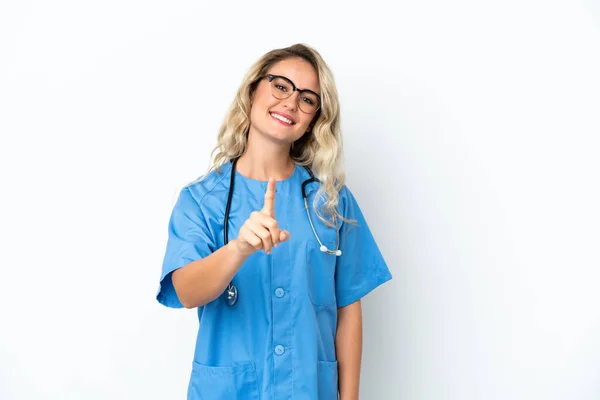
(269, 206)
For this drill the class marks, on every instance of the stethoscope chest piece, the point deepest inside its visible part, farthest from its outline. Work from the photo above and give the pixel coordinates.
(230, 295)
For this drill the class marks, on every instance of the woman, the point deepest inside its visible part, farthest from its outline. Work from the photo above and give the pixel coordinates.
(277, 293)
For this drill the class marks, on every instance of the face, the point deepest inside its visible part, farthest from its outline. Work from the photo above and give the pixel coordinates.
(281, 119)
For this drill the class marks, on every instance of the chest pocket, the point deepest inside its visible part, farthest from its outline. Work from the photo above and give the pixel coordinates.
(321, 274)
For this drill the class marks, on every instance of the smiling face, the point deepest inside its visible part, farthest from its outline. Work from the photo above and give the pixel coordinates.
(281, 120)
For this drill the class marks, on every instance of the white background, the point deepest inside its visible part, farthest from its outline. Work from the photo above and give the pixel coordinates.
(471, 143)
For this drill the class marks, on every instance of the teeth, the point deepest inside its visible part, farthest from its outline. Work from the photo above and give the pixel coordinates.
(279, 117)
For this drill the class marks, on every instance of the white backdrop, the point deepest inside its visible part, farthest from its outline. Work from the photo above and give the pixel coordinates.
(471, 143)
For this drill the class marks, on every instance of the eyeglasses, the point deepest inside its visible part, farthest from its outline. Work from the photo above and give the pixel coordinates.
(282, 88)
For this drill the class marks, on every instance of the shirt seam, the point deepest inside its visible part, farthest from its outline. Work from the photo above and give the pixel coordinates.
(199, 202)
(367, 287)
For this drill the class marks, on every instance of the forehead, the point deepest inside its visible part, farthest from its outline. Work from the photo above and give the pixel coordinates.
(298, 71)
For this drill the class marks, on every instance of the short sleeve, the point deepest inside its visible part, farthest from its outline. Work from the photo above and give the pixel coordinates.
(189, 239)
(361, 267)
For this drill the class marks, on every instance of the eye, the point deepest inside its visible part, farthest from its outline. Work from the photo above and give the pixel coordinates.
(308, 100)
(281, 87)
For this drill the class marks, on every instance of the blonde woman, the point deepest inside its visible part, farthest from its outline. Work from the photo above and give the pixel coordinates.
(271, 247)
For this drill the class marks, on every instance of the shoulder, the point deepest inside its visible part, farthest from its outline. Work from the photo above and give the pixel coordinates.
(346, 197)
(345, 192)
(349, 208)
(214, 183)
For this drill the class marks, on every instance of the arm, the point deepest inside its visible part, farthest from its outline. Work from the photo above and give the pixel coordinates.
(348, 348)
(203, 280)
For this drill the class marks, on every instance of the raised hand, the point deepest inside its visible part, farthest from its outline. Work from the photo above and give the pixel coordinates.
(261, 230)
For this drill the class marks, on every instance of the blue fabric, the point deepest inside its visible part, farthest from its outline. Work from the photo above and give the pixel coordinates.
(278, 340)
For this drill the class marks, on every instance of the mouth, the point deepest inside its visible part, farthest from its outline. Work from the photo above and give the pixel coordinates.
(283, 119)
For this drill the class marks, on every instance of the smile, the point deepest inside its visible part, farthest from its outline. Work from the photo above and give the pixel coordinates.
(282, 119)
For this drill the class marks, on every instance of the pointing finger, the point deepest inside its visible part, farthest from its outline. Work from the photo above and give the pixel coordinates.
(269, 206)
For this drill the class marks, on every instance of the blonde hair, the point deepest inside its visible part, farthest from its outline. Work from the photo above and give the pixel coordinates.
(320, 149)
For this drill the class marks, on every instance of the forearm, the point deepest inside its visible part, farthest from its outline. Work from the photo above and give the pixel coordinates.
(203, 280)
(348, 347)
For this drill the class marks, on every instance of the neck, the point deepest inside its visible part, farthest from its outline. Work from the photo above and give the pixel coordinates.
(264, 159)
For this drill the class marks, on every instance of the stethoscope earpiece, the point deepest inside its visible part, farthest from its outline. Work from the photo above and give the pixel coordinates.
(324, 249)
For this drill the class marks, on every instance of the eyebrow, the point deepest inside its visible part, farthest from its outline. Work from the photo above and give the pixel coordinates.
(312, 90)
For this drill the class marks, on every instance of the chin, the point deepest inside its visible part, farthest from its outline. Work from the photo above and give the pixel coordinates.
(281, 139)
(277, 133)
(279, 136)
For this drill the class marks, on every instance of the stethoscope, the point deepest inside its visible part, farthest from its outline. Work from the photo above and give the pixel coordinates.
(231, 293)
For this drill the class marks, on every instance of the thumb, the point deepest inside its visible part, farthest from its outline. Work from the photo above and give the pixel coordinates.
(284, 235)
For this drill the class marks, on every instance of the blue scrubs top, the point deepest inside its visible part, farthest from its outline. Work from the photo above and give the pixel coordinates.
(278, 340)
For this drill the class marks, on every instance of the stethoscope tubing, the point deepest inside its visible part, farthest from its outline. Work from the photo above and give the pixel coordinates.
(232, 292)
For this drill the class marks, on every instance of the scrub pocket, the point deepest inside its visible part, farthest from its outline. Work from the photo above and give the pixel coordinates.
(238, 382)
(327, 375)
(321, 274)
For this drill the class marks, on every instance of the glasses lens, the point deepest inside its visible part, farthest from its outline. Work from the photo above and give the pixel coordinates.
(308, 102)
(280, 88)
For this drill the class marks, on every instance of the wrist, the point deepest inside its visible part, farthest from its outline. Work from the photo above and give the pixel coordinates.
(237, 251)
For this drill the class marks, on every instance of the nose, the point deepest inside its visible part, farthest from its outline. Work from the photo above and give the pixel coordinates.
(292, 101)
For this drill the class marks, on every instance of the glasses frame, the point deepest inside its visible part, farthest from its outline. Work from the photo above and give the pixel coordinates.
(270, 77)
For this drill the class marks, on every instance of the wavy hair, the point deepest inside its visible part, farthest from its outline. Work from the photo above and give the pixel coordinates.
(321, 148)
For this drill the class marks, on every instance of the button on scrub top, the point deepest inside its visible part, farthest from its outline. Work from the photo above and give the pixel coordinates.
(278, 340)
